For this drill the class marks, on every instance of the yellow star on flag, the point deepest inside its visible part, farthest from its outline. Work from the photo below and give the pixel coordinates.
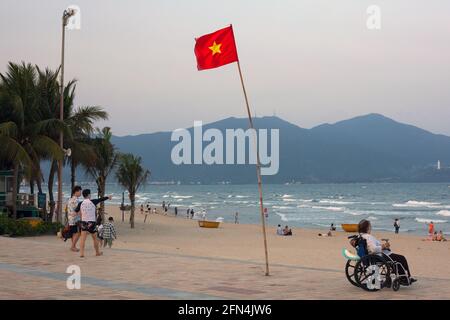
(215, 48)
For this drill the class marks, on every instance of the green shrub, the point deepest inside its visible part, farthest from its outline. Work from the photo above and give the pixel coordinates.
(21, 228)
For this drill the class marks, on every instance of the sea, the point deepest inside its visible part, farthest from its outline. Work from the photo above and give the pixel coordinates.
(305, 205)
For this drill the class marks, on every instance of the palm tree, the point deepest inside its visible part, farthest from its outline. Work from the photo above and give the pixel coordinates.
(78, 124)
(81, 122)
(23, 126)
(104, 162)
(131, 175)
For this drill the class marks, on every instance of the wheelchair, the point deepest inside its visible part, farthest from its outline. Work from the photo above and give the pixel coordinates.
(373, 272)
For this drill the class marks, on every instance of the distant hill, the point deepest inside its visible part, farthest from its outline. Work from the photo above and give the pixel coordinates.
(368, 148)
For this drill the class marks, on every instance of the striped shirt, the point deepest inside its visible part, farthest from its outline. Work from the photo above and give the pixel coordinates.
(109, 231)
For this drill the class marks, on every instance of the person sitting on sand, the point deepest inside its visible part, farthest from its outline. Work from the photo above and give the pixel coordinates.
(287, 231)
(280, 230)
(329, 234)
(435, 236)
(440, 236)
(332, 227)
(142, 209)
(374, 246)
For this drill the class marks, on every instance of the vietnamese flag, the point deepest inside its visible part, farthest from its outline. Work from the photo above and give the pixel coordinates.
(216, 49)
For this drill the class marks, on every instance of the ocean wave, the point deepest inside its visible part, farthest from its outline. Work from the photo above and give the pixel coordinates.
(445, 213)
(416, 204)
(329, 208)
(287, 196)
(335, 202)
(282, 216)
(182, 197)
(289, 200)
(354, 213)
(424, 220)
(281, 207)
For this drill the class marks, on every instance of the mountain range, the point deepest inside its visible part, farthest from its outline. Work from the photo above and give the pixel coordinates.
(369, 148)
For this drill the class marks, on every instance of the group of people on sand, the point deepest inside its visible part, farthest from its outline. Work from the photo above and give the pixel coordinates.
(286, 231)
(83, 220)
(328, 234)
(148, 209)
(433, 235)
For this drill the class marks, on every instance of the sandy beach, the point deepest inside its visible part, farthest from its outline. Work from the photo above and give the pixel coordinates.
(171, 257)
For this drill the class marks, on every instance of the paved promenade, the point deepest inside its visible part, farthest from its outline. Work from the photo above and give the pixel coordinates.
(35, 268)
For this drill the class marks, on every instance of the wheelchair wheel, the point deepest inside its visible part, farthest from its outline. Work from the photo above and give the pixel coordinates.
(372, 273)
(396, 285)
(350, 272)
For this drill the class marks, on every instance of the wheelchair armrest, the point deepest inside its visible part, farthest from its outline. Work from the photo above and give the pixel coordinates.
(349, 255)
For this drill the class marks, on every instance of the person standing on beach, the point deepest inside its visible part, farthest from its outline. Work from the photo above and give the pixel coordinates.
(164, 205)
(176, 211)
(192, 213)
(74, 217)
(88, 220)
(431, 228)
(109, 233)
(187, 213)
(397, 225)
(236, 218)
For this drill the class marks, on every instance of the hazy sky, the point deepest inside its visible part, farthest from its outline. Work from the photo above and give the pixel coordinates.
(309, 61)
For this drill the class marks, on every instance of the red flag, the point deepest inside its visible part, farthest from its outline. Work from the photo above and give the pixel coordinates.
(216, 49)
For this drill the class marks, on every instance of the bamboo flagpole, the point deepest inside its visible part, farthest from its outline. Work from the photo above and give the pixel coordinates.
(258, 172)
(215, 50)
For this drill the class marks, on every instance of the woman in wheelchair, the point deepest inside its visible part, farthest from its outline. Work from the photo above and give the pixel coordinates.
(374, 246)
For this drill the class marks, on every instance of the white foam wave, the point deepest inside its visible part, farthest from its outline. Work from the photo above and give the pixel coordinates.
(335, 202)
(282, 216)
(416, 204)
(445, 213)
(329, 208)
(182, 197)
(424, 220)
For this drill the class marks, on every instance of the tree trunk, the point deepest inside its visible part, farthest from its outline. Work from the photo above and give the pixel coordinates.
(32, 186)
(132, 200)
(51, 181)
(101, 193)
(73, 168)
(14, 192)
(39, 185)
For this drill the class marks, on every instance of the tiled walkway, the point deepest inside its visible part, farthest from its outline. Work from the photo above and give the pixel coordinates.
(35, 269)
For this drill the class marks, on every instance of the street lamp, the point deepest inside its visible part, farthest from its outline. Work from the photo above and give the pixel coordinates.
(65, 18)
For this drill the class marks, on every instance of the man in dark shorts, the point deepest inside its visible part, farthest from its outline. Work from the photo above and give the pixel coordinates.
(88, 220)
(74, 217)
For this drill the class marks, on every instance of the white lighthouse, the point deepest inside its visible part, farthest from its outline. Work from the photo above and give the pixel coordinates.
(439, 165)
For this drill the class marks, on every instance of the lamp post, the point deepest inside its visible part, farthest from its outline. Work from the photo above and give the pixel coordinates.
(65, 18)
